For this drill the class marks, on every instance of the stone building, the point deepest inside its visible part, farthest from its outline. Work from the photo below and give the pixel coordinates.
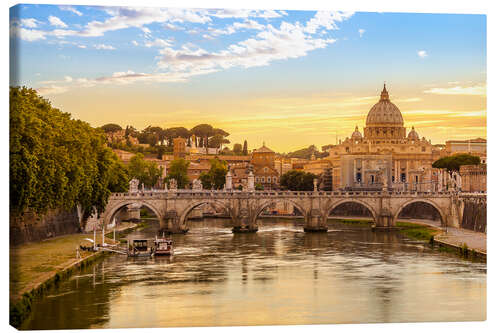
(384, 155)
(475, 147)
(179, 148)
(262, 160)
(473, 178)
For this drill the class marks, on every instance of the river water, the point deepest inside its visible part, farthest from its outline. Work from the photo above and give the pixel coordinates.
(280, 275)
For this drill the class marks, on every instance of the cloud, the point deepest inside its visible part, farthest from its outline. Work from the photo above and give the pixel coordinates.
(28, 35)
(361, 32)
(30, 22)
(70, 9)
(245, 13)
(233, 28)
(56, 21)
(326, 19)
(287, 42)
(104, 47)
(135, 43)
(478, 90)
(158, 42)
(52, 90)
(422, 54)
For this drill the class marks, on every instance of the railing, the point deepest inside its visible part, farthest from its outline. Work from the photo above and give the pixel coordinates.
(237, 193)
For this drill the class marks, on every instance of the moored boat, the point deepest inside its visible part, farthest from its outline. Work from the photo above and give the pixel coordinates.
(140, 248)
(163, 247)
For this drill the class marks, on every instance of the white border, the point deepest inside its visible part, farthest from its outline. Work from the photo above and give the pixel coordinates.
(422, 6)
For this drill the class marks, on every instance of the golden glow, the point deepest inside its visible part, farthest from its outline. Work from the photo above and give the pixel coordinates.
(284, 122)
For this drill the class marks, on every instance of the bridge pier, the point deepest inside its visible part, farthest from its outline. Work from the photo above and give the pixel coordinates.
(170, 224)
(385, 221)
(244, 225)
(314, 222)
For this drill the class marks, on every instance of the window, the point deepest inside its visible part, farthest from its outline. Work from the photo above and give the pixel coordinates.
(416, 179)
(403, 177)
(358, 177)
(347, 149)
(274, 179)
(372, 178)
(423, 149)
(268, 179)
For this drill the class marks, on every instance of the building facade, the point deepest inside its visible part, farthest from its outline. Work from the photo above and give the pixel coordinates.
(384, 155)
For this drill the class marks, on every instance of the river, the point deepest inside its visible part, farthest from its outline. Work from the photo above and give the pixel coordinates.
(280, 275)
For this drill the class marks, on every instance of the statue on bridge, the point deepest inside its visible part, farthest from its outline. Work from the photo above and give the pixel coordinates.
(197, 185)
(133, 185)
(172, 184)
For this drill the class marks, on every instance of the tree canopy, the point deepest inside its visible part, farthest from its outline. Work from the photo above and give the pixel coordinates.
(306, 153)
(296, 180)
(56, 161)
(216, 176)
(453, 162)
(110, 128)
(178, 170)
(147, 172)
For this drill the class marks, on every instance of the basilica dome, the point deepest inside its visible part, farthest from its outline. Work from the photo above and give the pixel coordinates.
(413, 135)
(384, 113)
(356, 135)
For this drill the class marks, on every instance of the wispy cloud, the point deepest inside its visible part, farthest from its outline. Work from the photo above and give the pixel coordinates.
(70, 9)
(478, 90)
(57, 22)
(104, 47)
(422, 54)
(361, 32)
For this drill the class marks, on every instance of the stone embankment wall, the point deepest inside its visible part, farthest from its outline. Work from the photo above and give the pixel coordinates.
(474, 216)
(31, 227)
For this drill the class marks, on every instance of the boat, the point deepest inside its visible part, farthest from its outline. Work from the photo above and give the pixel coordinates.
(140, 248)
(163, 247)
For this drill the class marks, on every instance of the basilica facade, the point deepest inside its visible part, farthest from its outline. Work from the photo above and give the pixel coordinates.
(384, 155)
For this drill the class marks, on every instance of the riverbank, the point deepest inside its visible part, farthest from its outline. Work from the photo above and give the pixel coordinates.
(36, 267)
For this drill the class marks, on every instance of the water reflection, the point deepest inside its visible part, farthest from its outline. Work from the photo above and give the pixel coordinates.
(279, 275)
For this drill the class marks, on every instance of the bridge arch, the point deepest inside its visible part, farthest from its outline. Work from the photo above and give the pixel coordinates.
(336, 204)
(269, 202)
(185, 213)
(442, 215)
(121, 204)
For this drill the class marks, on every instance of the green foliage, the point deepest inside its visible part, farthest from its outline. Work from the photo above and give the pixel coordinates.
(453, 163)
(203, 131)
(306, 153)
(178, 171)
(259, 187)
(217, 141)
(296, 180)
(245, 148)
(110, 128)
(237, 148)
(55, 161)
(216, 177)
(147, 172)
(417, 231)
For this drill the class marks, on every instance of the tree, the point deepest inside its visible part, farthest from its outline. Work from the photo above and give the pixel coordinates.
(216, 176)
(237, 148)
(178, 170)
(110, 128)
(175, 132)
(453, 163)
(217, 141)
(259, 187)
(55, 161)
(296, 180)
(147, 172)
(245, 148)
(203, 131)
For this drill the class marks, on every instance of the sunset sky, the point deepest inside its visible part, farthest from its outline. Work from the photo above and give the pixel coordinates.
(289, 78)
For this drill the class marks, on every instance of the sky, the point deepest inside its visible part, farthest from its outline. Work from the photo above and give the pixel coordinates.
(286, 78)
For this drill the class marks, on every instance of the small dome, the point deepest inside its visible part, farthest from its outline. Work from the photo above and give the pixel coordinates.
(413, 135)
(356, 134)
(384, 112)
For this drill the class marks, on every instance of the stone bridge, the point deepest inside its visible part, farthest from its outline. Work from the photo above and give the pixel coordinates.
(173, 207)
